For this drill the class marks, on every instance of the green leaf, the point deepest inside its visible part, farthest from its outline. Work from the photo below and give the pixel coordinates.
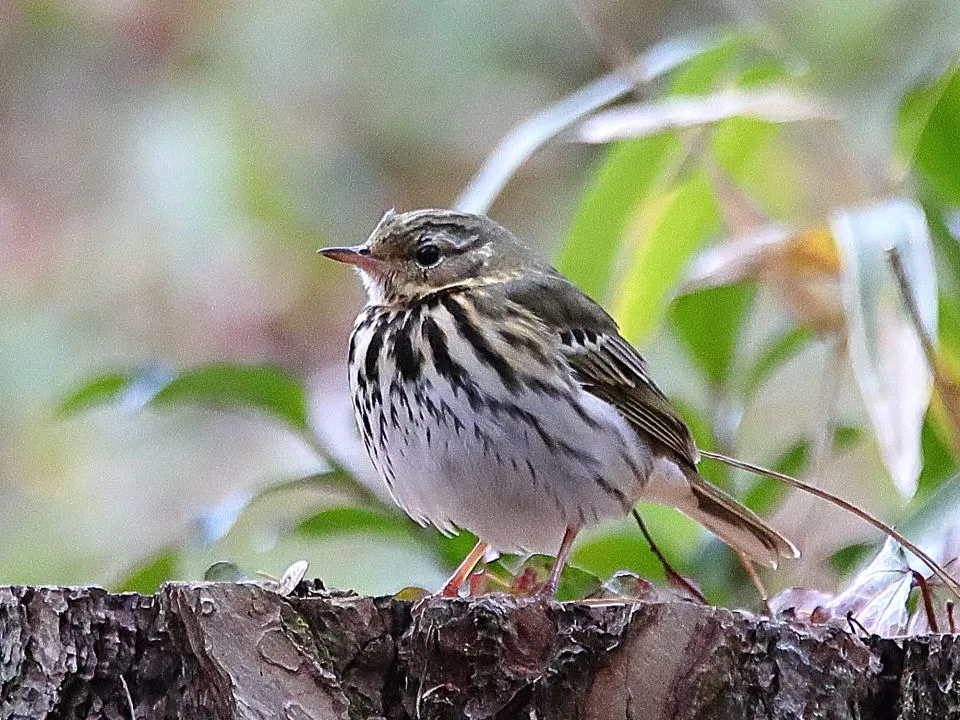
(846, 437)
(621, 546)
(575, 583)
(938, 463)
(245, 387)
(234, 387)
(764, 71)
(704, 437)
(708, 323)
(934, 511)
(450, 550)
(626, 175)
(631, 171)
(699, 424)
(738, 142)
(704, 72)
(668, 228)
(604, 554)
(98, 391)
(929, 126)
(524, 139)
(353, 519)
(847, 559)
(410, 594)
(160, 568)
(747, 151)
(950, 332)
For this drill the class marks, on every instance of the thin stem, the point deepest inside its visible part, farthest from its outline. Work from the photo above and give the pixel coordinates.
(856, 625)
(849, 507)
(755, 579)
(946, 385)
(929, 349)
(667, 567)
(126, 692)
(920, 581)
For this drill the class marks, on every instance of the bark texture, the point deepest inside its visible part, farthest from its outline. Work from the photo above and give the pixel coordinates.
(218, 650)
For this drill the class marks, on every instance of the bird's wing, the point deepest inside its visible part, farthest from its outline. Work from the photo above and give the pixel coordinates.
(608, 367)
(605, 364)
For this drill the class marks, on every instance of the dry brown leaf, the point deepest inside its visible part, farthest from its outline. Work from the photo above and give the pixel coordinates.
(837, 279)
(802, 266)
(876, 598)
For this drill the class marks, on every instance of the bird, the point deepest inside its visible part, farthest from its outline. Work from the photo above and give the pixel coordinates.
(493, 395)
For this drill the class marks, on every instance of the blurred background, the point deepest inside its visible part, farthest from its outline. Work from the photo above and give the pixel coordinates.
(172, 350)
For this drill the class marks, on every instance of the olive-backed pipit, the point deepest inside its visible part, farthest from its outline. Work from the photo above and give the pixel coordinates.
(493, 395)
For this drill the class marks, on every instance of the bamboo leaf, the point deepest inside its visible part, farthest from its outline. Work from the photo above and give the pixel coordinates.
(247, 387)
(625, 177)
(97, 391)
(262, 388)
(928, 133)
(665, 233)
(521, 142)
(773, 105)
(708, 323)
(885, 352)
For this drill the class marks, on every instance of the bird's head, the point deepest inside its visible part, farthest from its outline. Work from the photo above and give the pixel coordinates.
(412, 254)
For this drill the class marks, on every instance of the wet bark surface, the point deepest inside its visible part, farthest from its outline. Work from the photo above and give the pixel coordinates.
(220, 650)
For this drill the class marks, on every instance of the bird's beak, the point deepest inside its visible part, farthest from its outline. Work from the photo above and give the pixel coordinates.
(358, 255)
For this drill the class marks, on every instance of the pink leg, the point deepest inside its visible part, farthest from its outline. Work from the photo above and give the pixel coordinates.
(549, 588)
(452, 588)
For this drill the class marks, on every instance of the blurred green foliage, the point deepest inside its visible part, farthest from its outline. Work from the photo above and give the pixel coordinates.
(267, 389)
(742, 356)
(619, 186)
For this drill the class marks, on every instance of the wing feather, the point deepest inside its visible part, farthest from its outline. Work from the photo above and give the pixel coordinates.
(611, 369)
(604, 362)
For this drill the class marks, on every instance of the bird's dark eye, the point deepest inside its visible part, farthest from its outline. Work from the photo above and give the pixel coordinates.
(427, 255)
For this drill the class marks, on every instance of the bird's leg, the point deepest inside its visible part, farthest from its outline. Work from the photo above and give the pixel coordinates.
(452, 588)
(549, 588)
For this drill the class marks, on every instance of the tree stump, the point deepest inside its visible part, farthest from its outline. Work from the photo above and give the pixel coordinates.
(222, 650)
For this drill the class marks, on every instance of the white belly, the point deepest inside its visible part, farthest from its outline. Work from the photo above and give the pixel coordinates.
(498, 476)
(516, 466)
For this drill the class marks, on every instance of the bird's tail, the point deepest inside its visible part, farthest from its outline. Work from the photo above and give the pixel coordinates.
(724, 516)
(737, 525)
